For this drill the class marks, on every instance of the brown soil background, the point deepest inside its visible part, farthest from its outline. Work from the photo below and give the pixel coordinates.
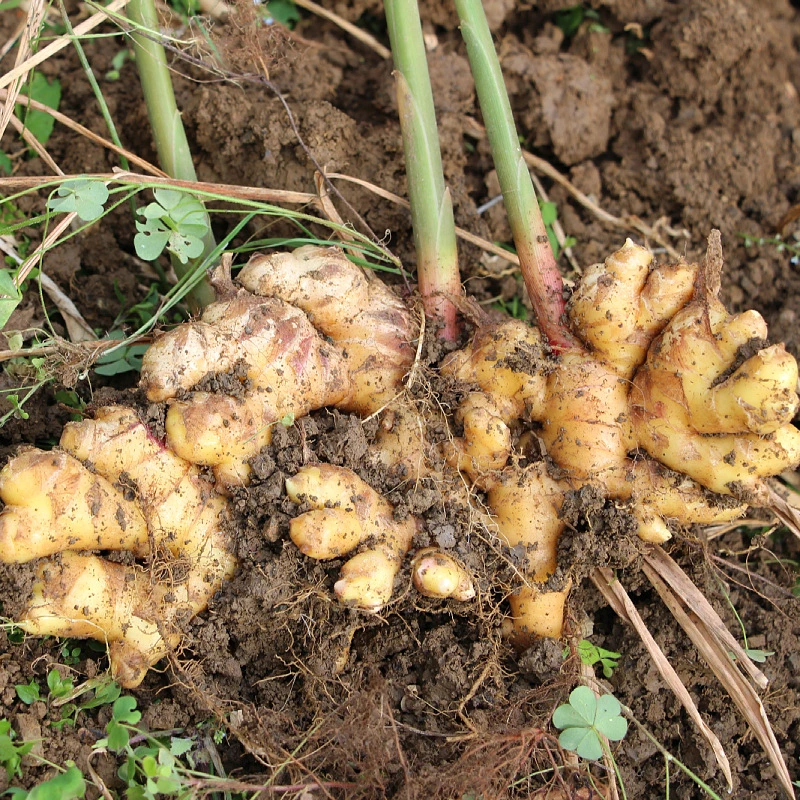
(696, 127)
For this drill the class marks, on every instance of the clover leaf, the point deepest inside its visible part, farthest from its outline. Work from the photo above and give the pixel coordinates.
(585, 718)
(176, 221)
(83, 196)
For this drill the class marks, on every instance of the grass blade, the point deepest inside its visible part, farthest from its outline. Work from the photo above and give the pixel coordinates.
(727, 673)
(613, 591)
(683, 587)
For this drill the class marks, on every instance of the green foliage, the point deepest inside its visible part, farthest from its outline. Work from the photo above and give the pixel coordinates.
(83, 196)
(28, 692)
(32, 374)
(40, 123)
(570, 20)
(514, 307)
(123, 359)
(758, 655)
(70, 651)
(590, 654)
(67, 785)
(58, 686)
(99, 691)
(10, 752)
(15, 635)
(117, 63)
(585, 718)
(150, 769)
(176, 221)
(284, 12)
(186, 8)
(5, 163)
(11, 219)
(123, 715)
(10, 296)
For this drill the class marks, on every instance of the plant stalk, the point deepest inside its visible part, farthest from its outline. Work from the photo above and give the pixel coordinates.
(431, 204)
(537, 262)
(168, 131)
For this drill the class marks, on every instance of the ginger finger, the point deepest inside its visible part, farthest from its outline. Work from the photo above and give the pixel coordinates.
(526, 507)
(486, 441)
(223, 432)
(86, 596)
(177, 519)
(54, 503)
(437, 574)
(620, 305)
(374, 328)
(347, 512)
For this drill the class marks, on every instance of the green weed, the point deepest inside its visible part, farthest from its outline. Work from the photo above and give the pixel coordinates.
(585, 719)
(590, 654)
(47, 92)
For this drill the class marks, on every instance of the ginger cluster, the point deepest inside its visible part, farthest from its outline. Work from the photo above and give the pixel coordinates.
(669, 406)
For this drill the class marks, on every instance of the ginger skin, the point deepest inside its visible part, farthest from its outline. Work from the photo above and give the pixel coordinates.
(667, 405)
(654, 343)
(176, 520)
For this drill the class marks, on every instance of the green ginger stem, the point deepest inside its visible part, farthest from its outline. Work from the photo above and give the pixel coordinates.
(431, 204)
(172, 146)
(537, 262)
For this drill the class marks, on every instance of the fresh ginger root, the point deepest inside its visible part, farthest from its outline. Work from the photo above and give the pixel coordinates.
(137, 496)
(347, 512)
(668, 406)
(652, 376)
(113, 486)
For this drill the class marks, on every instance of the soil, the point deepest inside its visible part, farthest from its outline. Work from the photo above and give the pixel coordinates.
(683, 114)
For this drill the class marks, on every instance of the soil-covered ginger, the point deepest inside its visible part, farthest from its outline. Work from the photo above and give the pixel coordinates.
(668, 406)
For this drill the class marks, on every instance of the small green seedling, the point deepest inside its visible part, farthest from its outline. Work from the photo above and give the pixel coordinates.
(585, 718)
(59, 687)
(67, 785)
(101, 692)
(40, 123)
(10, 296)
(11, 752)
(513, 308)
(117, 63)
(85, 197)
(176, 221)
(758, 655)
(123, 716)
(570, 20)
(29, 693)
(152, 768)
(590, 654)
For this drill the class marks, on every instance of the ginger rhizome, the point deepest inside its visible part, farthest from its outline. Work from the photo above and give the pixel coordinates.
(668, 406)
(661, 408)
(137, 496)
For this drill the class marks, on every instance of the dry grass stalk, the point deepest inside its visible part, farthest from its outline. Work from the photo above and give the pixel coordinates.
(727, 673)
(62, 42)
(618, 599)
(29, 33)
(696, 601)
(85, 132)
(358, 33)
